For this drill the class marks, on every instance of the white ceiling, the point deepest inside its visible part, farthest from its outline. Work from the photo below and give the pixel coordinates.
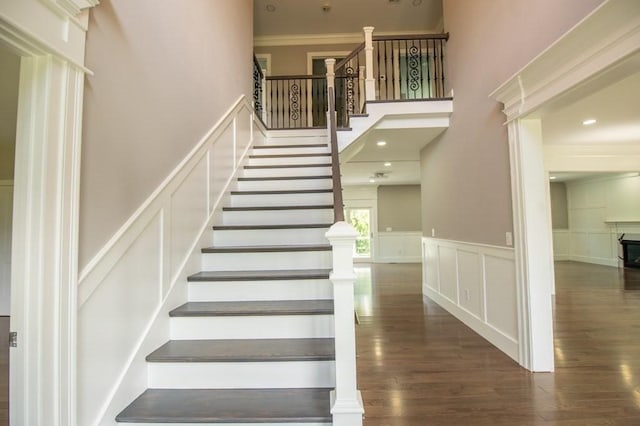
(306, 17)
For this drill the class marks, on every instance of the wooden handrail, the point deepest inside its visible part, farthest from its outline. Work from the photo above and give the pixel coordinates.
(338, 205)
(444, 36)
(296, 77)
(350, 56)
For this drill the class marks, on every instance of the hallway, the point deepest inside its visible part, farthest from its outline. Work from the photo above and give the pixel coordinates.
(418, 365)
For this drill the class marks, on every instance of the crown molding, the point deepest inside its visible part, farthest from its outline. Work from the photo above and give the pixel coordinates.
(610, 34)
(70, 8)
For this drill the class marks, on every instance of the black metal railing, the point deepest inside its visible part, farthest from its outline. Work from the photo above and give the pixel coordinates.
(350, 86)
(409, 67)
(258, 78)
(295, 102)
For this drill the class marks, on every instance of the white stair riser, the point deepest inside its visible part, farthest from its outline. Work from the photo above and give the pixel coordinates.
(292, 150)
(241, 375)
(276, 217)
(288, 171)
(273, 161)
(279, 185)
(239, 238)
(293, 137)
(252, 327)
(226, 424)
(250, 200)
(227, 291)
(265, 261)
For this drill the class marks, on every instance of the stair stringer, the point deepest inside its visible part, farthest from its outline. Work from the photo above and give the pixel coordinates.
(131, 378)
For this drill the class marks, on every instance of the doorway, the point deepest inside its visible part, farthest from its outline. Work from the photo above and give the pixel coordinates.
(361, 220)
(318, 102)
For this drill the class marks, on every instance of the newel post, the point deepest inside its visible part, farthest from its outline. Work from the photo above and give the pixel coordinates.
(330, 63)
(264, 96)
(346, 402)
(370, 83)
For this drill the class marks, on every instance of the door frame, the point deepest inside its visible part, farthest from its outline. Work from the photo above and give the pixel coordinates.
(602, 42)
(45, 209)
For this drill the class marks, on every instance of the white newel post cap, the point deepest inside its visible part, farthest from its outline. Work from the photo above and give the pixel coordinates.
(341, 231)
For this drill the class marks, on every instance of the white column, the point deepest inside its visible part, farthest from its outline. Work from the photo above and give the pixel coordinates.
(330, 63)
(361, 88)
(346, 401)
(533, 245)
(264, 96)
(368, 53)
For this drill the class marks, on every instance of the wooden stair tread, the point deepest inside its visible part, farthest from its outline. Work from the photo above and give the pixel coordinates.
(250, 179)
(245, 350)
(323, 154)
(305, 274)
(229, 406)
(284, 192)
(262, 227)
(267, 249)
(311, 145)
(254, 308)
(286, 166)
(257, 208)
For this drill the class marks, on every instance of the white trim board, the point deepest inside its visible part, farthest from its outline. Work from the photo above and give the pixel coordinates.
(476, 284)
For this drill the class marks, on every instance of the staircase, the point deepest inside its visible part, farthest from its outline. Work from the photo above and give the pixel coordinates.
(254, 344)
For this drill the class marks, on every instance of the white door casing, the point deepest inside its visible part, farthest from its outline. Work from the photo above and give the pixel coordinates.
(49, 37)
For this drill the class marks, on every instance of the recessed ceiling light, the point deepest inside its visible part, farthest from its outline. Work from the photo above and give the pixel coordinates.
(271, 8)
(387, 164)
(381, 143)
(589, 122)
(372, 181)
(416, 2)
(552, 177)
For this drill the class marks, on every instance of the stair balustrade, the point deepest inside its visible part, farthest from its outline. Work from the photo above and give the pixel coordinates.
(258, 90)
(296, 102)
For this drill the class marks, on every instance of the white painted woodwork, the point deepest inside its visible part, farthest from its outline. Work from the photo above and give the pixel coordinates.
(601, 41)
(282, 199)
(290, 171)
(252, 327)
(275, 217)
(398, 247)
(231, 424)
(296, 137)
(225, 238)
(270, 161)
(346, 402)
(6, 215)
(221, 291)
(258, 261)
(289, 184)
(291, 150)
(475, 283)
(157, 248)
(600, 210)
(241, 375)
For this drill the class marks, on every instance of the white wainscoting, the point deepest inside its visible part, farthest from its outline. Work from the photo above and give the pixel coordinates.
(561, 244)
(475, 283)
(399, 247)
(126, 291)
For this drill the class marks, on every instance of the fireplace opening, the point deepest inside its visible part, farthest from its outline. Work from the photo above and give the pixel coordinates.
(630, 250)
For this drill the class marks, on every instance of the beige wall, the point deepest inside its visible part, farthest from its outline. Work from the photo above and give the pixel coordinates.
(292, 60)
(9, 79)
(399, 208)
(165, 72)
(559, 210)
(465, 173)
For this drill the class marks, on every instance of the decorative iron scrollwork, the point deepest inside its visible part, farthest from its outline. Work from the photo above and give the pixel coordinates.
(414, 68)
(257, 90)
(294, 99)
(351, 74)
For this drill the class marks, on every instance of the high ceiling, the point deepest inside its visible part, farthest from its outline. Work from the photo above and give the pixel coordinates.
(306, 17)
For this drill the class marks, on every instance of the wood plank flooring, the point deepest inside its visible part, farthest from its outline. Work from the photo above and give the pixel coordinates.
(418, 365)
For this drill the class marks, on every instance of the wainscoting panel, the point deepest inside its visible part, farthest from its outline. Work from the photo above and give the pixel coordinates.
(399, 247)
(6, 215)
(561, 244)
(475, 283)
(141, 272)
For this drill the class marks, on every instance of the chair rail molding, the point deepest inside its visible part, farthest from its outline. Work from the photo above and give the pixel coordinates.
(604, 41)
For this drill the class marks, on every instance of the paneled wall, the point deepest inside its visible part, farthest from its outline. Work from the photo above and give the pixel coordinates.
(126, 292)
(600, 209)
(6, 215)
(476, 284)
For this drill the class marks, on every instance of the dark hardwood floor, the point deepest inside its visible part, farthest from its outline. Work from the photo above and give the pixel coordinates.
(418, 365)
